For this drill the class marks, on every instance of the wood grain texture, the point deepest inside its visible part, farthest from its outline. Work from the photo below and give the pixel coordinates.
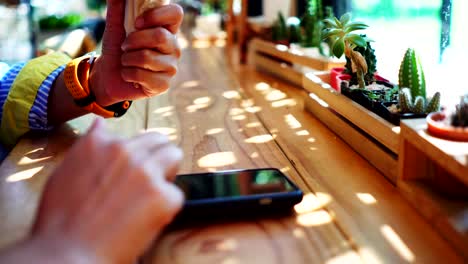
(226, 116)
(217, 128)
(431, 173)
(368, 209)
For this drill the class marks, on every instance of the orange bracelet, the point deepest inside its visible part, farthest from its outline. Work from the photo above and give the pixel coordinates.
(76, 75)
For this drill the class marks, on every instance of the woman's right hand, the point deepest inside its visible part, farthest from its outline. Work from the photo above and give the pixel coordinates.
(110, 197)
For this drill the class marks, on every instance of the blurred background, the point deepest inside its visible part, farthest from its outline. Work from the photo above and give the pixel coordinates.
(435, 28)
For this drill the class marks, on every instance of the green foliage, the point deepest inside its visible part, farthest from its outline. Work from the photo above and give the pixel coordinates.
(460, 117)
(295, 35)
(54, 22)
(434, 104)
(312, 23)
(369, 54)
(345, 41)
(96, 4)
(411, 77)
(280, 29)
(405, 101)
(411, 74)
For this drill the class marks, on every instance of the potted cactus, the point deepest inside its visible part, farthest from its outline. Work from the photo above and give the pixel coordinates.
(279, 31)
(411, 100)
(450, 126)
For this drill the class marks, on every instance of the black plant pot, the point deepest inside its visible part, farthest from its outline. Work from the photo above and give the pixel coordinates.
(394, 118)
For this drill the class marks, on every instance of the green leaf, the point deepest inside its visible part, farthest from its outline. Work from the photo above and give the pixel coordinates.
(357, 40)
(331, 32)
(345, 19)
(330, 23)
(353, 26)
(338, 47)
(338, 23)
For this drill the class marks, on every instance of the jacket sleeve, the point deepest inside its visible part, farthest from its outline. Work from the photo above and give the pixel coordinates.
(24, 92)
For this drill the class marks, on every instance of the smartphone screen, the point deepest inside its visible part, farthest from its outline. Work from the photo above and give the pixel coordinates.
(234, 184)
(238, 193)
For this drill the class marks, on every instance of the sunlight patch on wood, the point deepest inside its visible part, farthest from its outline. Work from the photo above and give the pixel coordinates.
(318, 100)
(302, 133)
(214, 131)
(366, 198)
(396, 129)
(348, 257)
(260, 139)
(163, 110)
(231, 260)
(275, 95)
(202, 100)
(316, 218)
(254, 124)
(395, 241)
(236, 111)
(312, 140)
(24, 175)
(253, 109)
(254, 155)
(190, 84)
(218, 159)
(262, 86)
(292, 121)
(312, 202)
(231, 95)
(298, 233)
(282, 47)
(239, 117)
(284, 103)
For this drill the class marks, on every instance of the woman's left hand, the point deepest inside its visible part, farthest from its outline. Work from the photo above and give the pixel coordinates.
(141, 64)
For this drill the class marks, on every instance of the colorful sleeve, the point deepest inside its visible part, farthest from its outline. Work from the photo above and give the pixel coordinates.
(25, 106)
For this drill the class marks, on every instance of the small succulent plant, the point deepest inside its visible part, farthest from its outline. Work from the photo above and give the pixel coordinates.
(280, 29)
(460, 117)
(411, 80)
(344, 41)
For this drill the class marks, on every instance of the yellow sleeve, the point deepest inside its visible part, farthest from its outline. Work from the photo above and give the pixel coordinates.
(21, 97)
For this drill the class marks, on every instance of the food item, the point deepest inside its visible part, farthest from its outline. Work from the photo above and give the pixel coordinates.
(134, 8)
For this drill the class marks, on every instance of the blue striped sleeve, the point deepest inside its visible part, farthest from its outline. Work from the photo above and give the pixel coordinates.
(6, 82)
(38, 113)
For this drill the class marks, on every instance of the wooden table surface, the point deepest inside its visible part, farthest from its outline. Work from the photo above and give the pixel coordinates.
(226, 116)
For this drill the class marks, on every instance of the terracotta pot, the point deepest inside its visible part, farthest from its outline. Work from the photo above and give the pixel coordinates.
(437, 127)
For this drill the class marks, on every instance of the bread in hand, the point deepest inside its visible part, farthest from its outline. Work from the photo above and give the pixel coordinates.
(134, 8)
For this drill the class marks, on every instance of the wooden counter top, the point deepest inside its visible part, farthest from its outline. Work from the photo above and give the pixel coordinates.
(226, 116)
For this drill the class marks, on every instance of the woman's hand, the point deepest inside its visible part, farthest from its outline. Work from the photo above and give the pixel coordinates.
(141, 64)
(109, 198)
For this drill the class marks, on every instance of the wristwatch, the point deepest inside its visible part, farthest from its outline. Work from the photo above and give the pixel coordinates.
(76, 75)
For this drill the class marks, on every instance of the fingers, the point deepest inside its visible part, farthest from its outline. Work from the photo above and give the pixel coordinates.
(158, 38)
(114, 33)
(150, 60)
(168, 16)
(151, 83)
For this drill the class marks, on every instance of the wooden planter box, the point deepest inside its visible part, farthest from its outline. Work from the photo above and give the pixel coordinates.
(374, 138)
(278, 60)
(433, 177)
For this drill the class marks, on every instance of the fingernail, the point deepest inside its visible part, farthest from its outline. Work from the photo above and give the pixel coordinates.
(139, 22)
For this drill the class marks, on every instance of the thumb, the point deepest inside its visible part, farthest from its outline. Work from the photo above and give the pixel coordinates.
(114, 34)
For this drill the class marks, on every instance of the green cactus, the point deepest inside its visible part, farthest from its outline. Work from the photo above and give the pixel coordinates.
(280, 29)
(419, 106)
(434, 104)
(412, 75)
(460, 117)
(411, 79)
(405, 100)
(295, 33)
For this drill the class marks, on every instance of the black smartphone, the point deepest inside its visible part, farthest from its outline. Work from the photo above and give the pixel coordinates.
(237, 193)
